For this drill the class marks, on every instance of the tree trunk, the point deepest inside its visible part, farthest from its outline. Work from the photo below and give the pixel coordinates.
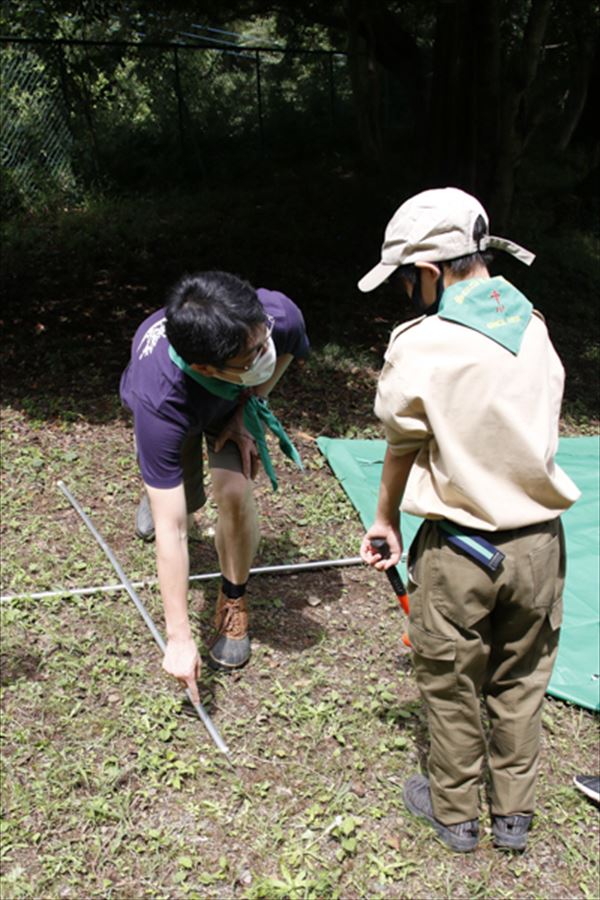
(577, 98)
(365, 77)
(485, 80)
(522, 66)
(466, 85)
(443, 132)
(477, 122)
(81, 83)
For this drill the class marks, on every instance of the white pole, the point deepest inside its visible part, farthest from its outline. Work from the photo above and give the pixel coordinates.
(206, 720)
(206, 576)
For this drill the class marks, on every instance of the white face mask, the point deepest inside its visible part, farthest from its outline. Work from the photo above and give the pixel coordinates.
(263, 366)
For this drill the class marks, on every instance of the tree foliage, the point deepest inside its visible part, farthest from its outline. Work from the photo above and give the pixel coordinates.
(462, 91)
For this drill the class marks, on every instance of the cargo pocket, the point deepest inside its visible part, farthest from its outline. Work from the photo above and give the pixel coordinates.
(432, 646)
(434, 660)
(547, 575)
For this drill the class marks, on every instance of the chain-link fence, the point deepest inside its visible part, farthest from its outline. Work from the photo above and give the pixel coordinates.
(128, 115)
(35, 141)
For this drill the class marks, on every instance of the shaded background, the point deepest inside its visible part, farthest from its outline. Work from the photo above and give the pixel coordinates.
(138, 144)
(128, 162)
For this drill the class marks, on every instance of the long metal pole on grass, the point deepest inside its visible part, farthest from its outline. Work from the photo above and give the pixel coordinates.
(282, 569)
(206, 720)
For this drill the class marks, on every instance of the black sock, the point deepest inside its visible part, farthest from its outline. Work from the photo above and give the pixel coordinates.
(231, 590)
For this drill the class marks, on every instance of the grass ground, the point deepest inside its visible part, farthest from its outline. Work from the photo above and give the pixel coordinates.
(109, 788)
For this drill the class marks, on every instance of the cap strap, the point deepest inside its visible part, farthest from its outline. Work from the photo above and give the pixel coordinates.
(498, 243)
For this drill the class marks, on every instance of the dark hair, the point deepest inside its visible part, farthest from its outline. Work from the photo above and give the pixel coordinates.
(210, 315)
(460, 265)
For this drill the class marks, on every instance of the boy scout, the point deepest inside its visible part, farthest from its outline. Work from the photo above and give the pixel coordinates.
(469, 397)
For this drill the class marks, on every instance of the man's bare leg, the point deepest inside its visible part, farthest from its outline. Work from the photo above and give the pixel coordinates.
(237, 537)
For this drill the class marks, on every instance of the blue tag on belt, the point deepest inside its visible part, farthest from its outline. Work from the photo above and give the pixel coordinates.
(475, 546)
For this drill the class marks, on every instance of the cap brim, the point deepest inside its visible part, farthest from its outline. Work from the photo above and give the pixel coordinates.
(375, 277)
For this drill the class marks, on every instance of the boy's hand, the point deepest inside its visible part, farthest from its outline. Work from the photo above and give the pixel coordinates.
(372, 556)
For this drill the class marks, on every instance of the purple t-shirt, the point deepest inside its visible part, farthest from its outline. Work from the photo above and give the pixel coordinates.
(167, 404)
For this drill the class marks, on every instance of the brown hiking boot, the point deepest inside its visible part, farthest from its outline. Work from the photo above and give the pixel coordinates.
(231, 649)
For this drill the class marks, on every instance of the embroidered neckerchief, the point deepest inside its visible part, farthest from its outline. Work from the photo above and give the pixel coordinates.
(491, 306)
(257, 414)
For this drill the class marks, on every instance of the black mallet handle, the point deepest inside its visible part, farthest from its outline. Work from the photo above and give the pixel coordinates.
(382, 547)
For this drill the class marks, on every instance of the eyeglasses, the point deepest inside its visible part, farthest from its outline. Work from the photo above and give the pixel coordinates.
(255, 351)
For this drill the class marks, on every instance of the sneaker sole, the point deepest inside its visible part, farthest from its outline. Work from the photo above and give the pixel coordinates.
(227, 647)
(219, 666)
(518, 844)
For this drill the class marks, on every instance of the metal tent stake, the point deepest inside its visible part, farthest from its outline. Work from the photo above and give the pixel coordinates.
(203, 715)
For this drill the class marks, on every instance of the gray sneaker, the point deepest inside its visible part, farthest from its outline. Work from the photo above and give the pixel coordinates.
(510, 832)
(144, 523)
(462, 837)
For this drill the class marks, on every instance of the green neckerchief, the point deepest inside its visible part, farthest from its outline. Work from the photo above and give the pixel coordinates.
(491, 306)
(256, 415)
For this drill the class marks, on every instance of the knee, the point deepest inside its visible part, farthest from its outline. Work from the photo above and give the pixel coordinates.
(233, 497)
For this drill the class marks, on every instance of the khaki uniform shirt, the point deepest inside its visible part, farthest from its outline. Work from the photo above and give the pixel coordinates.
(484, 422)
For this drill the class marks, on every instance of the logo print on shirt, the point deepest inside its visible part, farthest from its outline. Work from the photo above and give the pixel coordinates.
(151, 338)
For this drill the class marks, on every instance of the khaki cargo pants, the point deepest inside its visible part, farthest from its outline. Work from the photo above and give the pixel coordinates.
(478, 634)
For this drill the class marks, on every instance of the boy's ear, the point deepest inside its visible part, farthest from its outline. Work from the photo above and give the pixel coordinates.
(434, 270)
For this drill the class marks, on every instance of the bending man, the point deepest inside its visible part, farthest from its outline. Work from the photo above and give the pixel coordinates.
(202, 369)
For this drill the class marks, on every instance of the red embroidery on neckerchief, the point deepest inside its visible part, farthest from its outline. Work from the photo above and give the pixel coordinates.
(496, 296)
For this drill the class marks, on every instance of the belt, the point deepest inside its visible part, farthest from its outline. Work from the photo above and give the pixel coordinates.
(474, 545)
(478, 547)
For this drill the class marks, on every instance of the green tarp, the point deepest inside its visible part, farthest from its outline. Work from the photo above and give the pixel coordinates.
(357, 465)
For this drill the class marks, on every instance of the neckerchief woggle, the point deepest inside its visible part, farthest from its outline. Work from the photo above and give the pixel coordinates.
(491, 306)
(257, 414)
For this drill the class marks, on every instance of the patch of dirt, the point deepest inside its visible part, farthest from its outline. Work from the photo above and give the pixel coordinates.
(18, 664)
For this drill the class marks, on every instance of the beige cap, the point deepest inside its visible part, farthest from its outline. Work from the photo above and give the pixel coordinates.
(434, 226)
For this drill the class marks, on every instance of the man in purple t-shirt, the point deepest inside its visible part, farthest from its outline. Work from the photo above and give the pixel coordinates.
(201, 368)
